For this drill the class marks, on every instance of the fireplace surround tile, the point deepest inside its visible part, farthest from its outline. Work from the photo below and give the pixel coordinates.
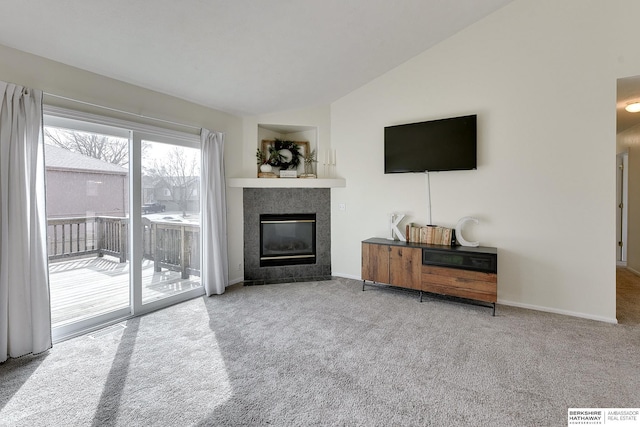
(258, 201)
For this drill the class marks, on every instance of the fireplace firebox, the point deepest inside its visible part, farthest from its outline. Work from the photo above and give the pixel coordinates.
(287, 239)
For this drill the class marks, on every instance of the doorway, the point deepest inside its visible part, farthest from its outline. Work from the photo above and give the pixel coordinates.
(123, 215)
(627, 200)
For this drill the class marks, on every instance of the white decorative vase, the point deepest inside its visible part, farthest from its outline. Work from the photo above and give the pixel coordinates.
(459, 225)
(265, 168)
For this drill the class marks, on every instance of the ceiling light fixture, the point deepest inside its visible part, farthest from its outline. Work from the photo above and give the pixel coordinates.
(634, 107)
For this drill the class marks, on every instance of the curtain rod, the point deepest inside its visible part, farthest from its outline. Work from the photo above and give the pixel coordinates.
(123, 112)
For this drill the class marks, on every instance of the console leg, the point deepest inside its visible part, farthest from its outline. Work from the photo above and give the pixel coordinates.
(363, 285)
(494, 309)
(420, 295)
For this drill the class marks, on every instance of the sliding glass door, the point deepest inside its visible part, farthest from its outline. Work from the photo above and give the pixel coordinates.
(87, 199)
(170, 218)
(116, 194)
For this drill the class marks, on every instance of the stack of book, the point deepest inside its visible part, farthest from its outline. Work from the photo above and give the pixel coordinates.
(430, 234)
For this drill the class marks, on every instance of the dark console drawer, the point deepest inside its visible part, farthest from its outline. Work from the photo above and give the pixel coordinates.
(463, 259)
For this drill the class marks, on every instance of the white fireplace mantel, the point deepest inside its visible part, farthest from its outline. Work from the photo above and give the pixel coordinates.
(286, 182)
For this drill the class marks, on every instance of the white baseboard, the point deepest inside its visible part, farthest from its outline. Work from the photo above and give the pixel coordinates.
(558, 311)
(636, 272)
(346, 276)
(236, 280)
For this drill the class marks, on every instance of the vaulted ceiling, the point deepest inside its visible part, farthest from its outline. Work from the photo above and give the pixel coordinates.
(240, 56)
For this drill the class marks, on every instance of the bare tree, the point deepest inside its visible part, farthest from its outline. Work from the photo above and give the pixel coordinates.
(107, 148)
(179, 173)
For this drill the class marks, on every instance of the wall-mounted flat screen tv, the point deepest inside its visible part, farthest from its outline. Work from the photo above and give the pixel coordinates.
(437, 145)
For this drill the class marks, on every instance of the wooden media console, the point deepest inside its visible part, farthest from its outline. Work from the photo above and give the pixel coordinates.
(469, 273)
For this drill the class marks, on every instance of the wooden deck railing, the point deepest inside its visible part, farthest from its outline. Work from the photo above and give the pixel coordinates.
(113, 236)
(170, 245)
(173, 246)
(72, 237)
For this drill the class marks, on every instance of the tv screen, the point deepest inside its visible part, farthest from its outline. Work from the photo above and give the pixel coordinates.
(437, 145)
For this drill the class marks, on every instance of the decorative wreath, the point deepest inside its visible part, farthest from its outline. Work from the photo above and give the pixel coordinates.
(284, 154)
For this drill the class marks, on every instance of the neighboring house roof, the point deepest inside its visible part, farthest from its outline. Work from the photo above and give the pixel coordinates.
(61, 159)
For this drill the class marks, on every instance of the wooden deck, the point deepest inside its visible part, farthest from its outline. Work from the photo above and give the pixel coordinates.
(87, 287)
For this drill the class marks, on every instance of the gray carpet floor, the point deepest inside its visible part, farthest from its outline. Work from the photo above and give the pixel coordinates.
(326, 353)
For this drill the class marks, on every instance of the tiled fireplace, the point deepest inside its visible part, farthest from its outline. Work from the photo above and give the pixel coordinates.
(299, 204)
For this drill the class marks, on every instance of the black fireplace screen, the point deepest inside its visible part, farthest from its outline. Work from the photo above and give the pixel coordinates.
(287, 239)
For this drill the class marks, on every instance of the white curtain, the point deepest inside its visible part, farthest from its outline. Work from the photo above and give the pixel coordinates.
(25, 312)
(215, 259)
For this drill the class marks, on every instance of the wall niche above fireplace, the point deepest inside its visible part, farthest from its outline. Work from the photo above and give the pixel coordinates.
(306, 136)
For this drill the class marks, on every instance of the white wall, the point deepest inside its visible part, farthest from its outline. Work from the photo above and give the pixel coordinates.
(541, 75)
(56, 78)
